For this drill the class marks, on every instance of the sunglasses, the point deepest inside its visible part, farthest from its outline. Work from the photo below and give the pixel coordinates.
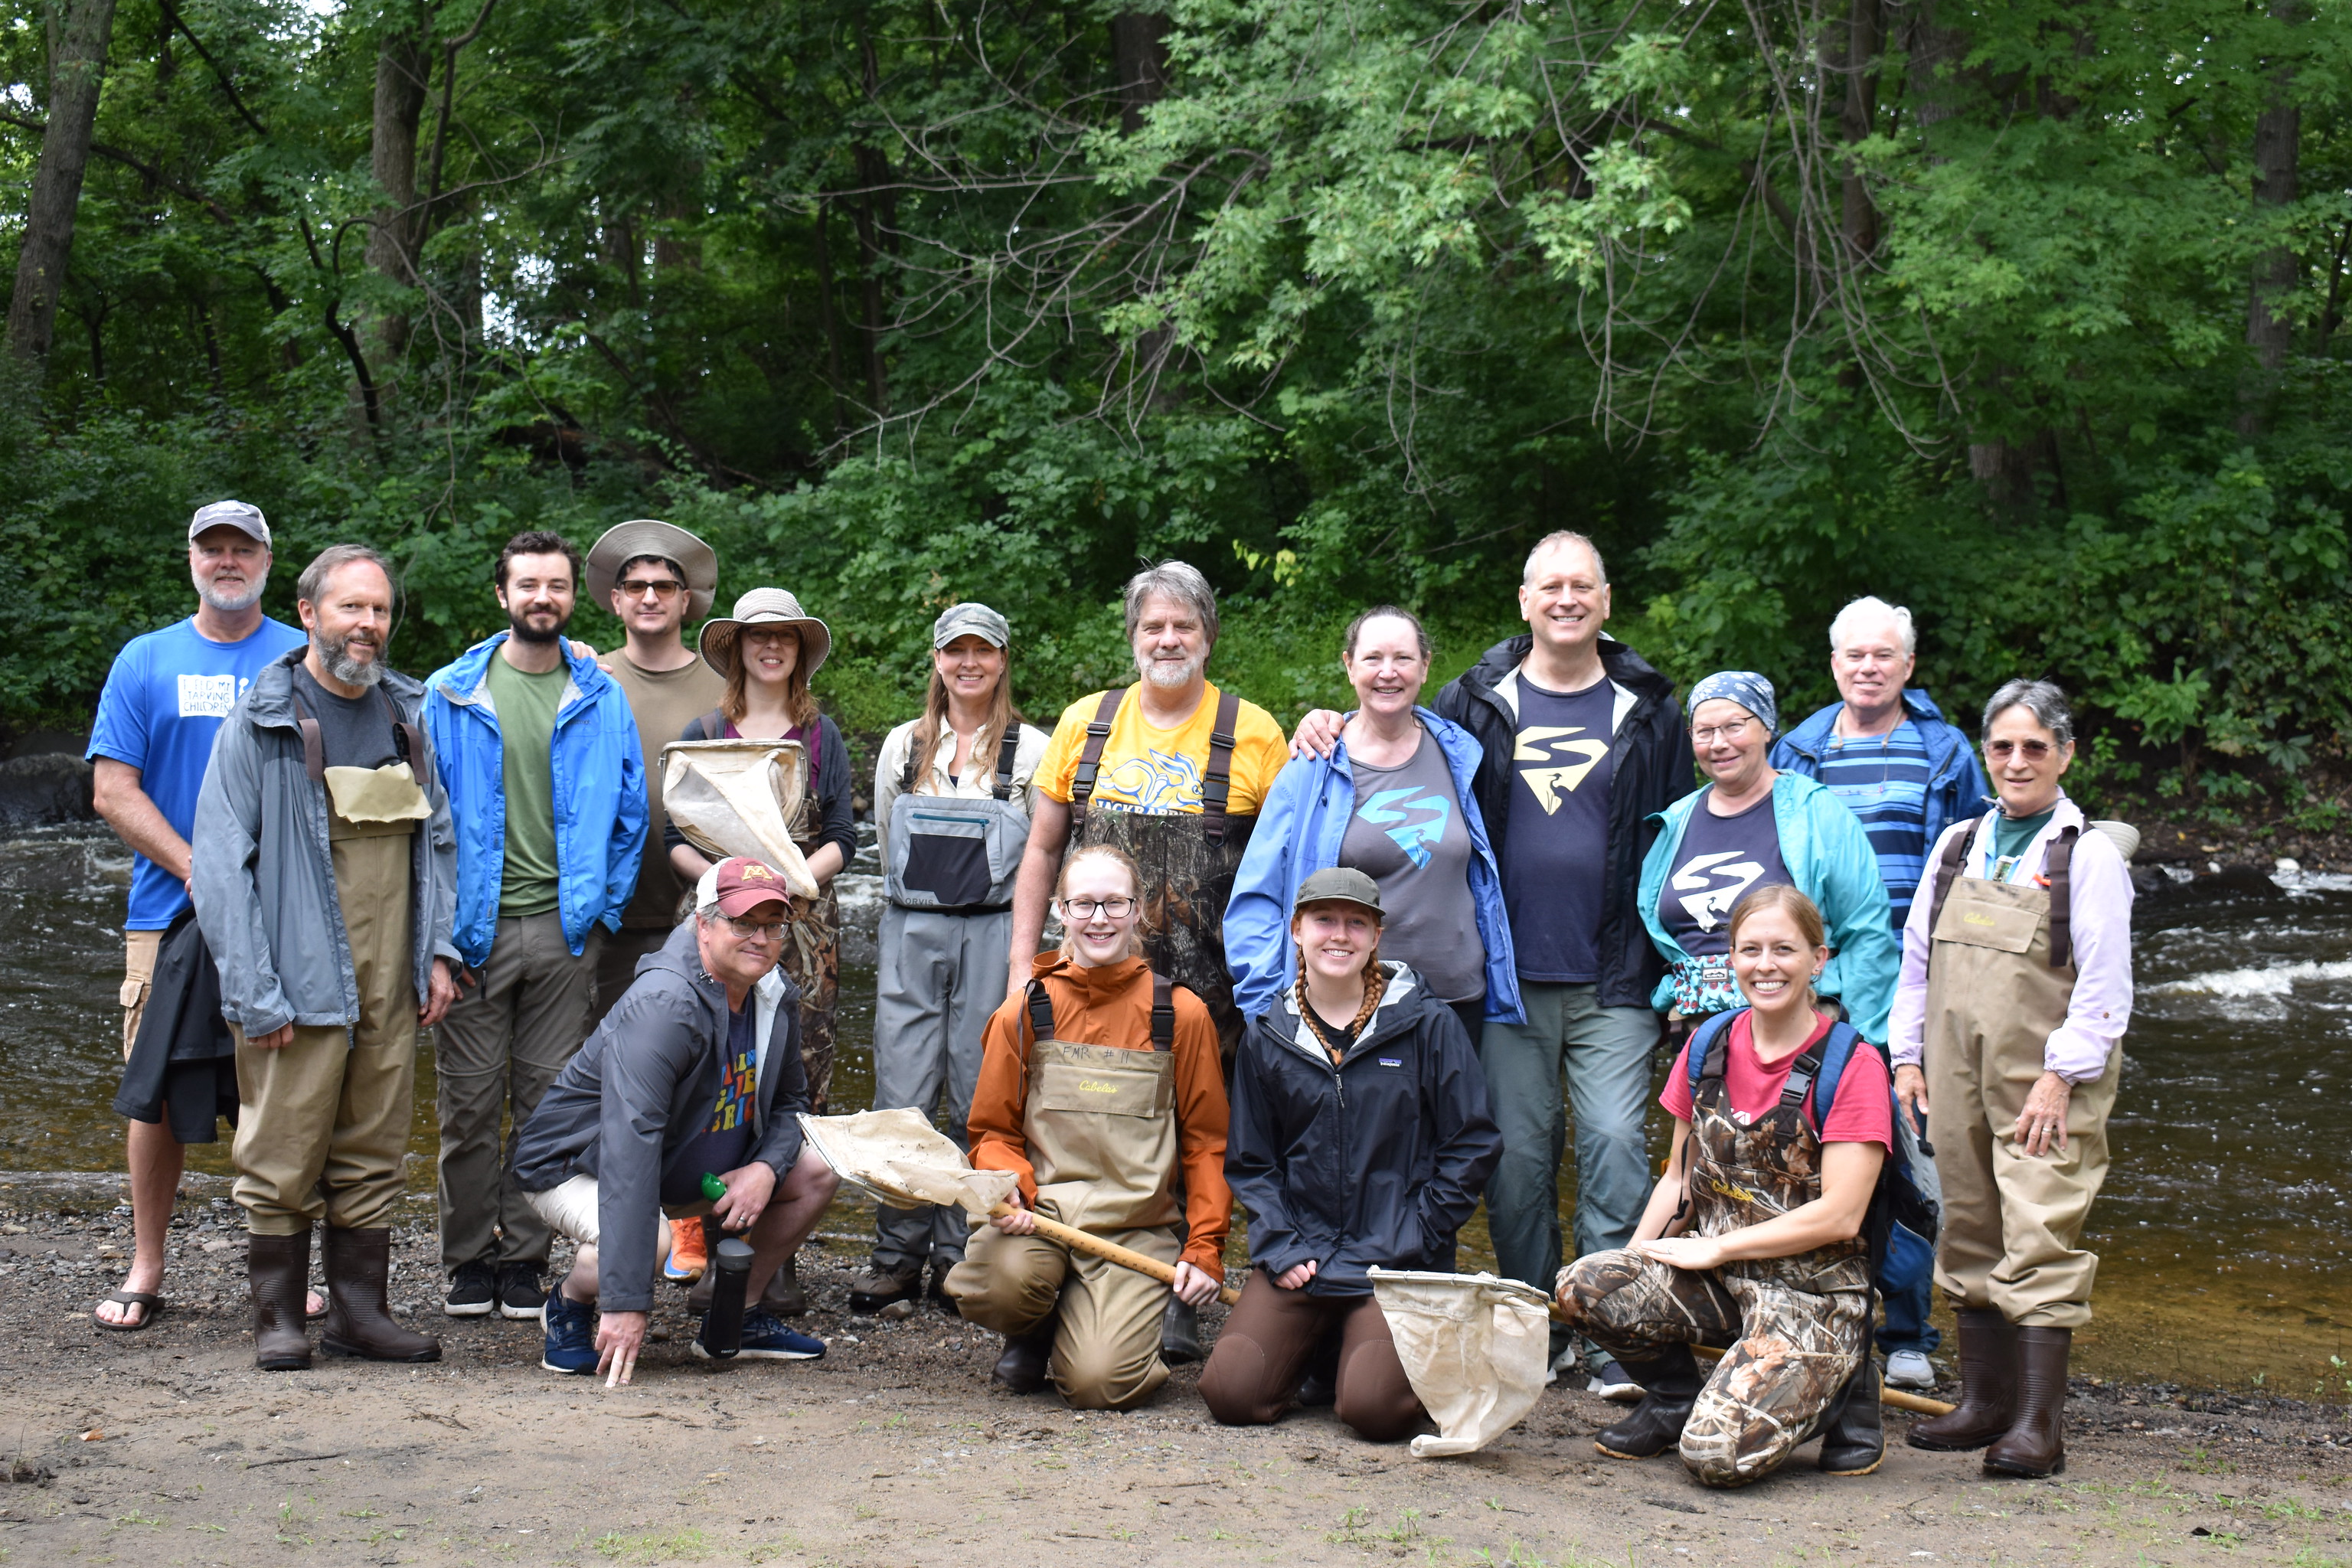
(2032, 751)
(659, 587)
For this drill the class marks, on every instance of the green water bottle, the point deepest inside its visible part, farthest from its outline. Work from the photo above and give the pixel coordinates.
(712, 1187)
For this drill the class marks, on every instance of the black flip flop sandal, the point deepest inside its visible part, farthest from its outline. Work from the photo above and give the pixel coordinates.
(150, 1306)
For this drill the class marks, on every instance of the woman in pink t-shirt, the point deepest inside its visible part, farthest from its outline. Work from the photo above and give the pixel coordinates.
(1751, 1243)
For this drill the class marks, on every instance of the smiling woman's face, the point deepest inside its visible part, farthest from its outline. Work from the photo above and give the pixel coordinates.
(1100, 912)
(769, 653)
(1773, 962)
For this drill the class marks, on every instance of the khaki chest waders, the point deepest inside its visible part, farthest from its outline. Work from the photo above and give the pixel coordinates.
(1188, 860)
(2001, 975)
(1100, 1122)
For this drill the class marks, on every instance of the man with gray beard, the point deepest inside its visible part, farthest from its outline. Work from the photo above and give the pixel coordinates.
(325, 882)
(165, 697)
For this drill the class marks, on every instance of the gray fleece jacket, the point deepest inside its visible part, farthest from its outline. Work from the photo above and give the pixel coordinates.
(640, 1090)
(264, 878)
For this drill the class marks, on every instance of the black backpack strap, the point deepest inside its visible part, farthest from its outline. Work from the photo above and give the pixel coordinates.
(2057, 867)
(908, 775)
(1163, 1012)
(1704, 1060)
(1806, 1071)
(1216, 783)
(1008, 752)
(1082, 782)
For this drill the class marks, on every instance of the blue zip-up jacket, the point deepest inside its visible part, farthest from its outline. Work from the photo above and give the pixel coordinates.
(1829, 858)
(600, 795)
(1300, 825)
(1956, 787)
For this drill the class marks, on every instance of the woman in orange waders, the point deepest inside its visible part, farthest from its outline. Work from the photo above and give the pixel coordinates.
(1099, 1086)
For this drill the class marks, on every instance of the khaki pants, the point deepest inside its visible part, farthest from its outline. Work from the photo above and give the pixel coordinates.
(2013, 1224)
(1106, 1341)
(322, 1123)
(497, 1050)
(616, 963)
(139, 950)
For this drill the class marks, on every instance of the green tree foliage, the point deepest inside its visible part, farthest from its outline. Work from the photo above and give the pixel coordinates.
(2028, 315)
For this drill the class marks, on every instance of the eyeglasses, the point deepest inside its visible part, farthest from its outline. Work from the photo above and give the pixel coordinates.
(2034, 750)
(659, 587)
(1111, 908)
(1731, 731)
(773, 930)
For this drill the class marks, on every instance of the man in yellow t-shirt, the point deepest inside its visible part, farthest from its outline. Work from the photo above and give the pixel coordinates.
(1171, 770)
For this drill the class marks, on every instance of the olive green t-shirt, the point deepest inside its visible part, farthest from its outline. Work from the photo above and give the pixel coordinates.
(526, 706)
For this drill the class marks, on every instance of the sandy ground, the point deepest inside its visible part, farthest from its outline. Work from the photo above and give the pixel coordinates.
(167, 1447)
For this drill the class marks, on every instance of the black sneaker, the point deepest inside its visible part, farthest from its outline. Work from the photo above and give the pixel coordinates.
(520, 1296)
(473, 1290)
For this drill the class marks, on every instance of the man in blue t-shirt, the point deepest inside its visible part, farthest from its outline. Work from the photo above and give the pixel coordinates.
(165, 695)
(1888, 753)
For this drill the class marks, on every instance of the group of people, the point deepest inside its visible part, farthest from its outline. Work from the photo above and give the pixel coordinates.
(1358, 982)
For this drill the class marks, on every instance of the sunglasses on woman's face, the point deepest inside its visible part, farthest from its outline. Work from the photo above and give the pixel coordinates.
(2032, 751)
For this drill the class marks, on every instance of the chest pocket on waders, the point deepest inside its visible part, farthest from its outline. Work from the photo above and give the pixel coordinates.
(1100, 1122)
(952, 852)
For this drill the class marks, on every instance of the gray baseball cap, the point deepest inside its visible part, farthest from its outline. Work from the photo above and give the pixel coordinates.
(970, 619)
(1339, 885)
(247, 519)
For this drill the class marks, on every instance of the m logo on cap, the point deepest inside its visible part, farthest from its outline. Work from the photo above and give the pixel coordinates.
(754, 871)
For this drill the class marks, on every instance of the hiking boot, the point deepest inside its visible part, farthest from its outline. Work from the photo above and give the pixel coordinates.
(690, 1252)
(1986, 1407)
(878, 1287)
(765, 1338)
(473, 1290)
(1670, 1386)
(571, 1336)
(1022, 1368)
(1179, 1333)
(783, 1298)
(520, 1297)
(939, 1291)
(277, 1272)
(1853, 1441)
(2035, 1446)
(359, 1320)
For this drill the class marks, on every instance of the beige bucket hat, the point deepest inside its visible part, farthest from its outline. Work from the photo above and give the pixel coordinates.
(765, 608)
(625, 541)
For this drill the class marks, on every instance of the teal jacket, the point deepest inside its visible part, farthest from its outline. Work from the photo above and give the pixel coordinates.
(600, 795)
(1830, 860)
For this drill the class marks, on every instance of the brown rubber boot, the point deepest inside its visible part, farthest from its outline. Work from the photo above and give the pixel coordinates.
(1987, 1405)
(277, 1272)
(2036, 1444)
(359, 1322)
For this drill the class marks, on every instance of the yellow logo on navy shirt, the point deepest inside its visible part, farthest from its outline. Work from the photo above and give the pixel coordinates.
(1548, 745)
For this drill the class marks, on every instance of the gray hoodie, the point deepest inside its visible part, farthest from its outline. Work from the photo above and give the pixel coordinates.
(641, 1089)
(264, 878)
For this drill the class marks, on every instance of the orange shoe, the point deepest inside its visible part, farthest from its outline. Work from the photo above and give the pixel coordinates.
(690, 1252)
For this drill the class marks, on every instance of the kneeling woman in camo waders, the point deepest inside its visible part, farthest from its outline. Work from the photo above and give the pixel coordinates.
(2009, 1018)
(1099, 1087)
(1361, 1139)
(1752, 1242)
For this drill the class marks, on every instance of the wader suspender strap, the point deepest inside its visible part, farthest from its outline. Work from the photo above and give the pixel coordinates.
(1082, 782)
(1218, 780)
(1947, 871)
(2055, 867)
(1163, 1012)
(1007, 750)
(407, 740)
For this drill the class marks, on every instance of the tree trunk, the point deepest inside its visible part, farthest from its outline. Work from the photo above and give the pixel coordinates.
(1139, 52)
(2278, 148)
(1856, 119)
(77, 71)
(401, 69)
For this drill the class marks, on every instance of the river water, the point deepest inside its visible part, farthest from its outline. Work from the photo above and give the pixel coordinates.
(2225, 1231)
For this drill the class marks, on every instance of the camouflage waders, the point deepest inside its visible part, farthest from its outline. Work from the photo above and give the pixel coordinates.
(812, 959)
(1188, 860)
(1793, 1329)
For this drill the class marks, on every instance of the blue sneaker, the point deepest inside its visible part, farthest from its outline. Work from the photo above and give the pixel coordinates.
(571, 1336)
(766, 1339)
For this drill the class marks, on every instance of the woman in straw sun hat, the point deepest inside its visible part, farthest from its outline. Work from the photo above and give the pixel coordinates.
(767, 650)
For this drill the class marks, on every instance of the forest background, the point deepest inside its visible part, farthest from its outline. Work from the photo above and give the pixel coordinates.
(2025, 313)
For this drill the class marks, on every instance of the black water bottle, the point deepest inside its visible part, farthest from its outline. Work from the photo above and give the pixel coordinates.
(722, 1326)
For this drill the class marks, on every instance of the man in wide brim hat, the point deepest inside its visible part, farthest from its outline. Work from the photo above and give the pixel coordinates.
(765, 608)
(644, 536)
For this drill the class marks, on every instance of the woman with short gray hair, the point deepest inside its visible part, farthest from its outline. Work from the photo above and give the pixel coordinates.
(2010, 1014)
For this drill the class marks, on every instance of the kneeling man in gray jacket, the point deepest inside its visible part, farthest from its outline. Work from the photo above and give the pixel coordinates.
(694, 1075)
